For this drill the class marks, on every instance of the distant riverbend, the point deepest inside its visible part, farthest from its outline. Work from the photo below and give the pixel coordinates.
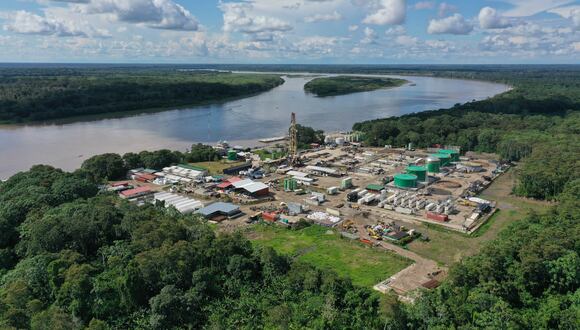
(242, 121)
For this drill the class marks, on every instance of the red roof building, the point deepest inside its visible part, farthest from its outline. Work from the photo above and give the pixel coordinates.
(228, 183)
(135, 192)
(145, 177)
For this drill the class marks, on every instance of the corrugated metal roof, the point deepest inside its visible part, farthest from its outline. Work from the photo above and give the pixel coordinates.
(221, 207)
(135, 191)
(321, 169)
(224, 185)
(255, 187)
(242, 183)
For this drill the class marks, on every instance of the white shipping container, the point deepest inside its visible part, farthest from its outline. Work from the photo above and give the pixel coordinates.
(403, 210)
(333, 212)
(332, 190)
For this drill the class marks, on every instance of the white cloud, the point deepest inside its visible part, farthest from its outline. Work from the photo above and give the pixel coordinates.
(570, 12)
(439, 44)
(389, 12)
(406, 40)
(370, 36)
(24, 22)
(238, 19)
(158, 14)
(575, 17)
(530, 40)
(73, 1)
(353, 28)
(424, 5)
(395, 31)
(524, 8)
(316, 45)
(445, 9)
(490, 19)
(454, 24)
(335, 16)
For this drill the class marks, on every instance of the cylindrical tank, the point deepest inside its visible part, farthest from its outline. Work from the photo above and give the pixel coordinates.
(339, 141)
(290, 184)
(433, 164)
(232, 155)
(346, 183)
(419, 171)
(405, 180)
(453, 153)
(327, 139)
(444, 158)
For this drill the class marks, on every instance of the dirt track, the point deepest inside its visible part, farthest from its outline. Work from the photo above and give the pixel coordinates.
(412, 277)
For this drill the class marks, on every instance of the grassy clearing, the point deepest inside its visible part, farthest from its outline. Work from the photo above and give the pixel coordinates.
(217, 167)
(326, 249)
(448, 247)
(265, 154)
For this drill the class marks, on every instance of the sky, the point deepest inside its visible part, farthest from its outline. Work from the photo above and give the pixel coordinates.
(291, 31)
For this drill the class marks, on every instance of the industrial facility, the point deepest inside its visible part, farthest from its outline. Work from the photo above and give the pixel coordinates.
(373, 195)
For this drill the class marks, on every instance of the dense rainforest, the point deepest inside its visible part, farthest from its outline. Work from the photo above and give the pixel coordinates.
(53, 93)
(71, 258)
(341, 85)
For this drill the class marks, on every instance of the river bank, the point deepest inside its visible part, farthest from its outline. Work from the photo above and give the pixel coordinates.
(243, 121)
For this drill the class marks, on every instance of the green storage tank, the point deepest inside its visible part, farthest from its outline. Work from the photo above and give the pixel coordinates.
(453, 153)
(290, 184)
(232, 155)
(419, 171)
(346, 183)
(433, 165)
(405, 180)
(444, 158)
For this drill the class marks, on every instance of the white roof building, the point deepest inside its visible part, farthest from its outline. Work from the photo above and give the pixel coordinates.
(250, 186)
(183, 204)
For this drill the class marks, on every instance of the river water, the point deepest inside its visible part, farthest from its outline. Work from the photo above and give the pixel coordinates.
(241, 121)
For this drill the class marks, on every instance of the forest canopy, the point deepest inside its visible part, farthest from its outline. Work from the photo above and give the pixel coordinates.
(71, 259)
(341, 85)
(44, 94)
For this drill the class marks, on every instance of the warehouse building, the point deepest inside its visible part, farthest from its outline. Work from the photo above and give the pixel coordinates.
(185, 172)
(319, 170)
(252, 188)
(220, 211)
(135, 192)
(235, 170)
(183, 204)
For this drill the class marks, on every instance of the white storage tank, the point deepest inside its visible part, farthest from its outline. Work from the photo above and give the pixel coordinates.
(430, 206)
(362, 193)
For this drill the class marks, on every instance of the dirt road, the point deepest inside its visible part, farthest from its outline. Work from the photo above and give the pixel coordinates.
(421, 271)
